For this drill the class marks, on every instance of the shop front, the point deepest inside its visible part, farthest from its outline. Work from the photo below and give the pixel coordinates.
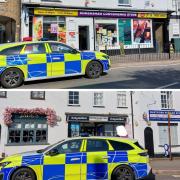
(94, 124)
(98, 30)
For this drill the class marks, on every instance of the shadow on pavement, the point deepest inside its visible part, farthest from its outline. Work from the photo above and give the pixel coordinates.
(152, 177)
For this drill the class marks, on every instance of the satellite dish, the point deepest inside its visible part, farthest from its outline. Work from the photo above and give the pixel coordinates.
(121, 131)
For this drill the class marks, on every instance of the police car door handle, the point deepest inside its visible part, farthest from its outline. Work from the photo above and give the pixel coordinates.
(56, 58)
(75, 159)
(29, 59)
(106, 157)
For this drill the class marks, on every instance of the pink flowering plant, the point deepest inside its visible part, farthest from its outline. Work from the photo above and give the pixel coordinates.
(49, 113)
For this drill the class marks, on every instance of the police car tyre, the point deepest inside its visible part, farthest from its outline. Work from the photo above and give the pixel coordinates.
(123, 173)
(12, 78)
(23, 174)
(94, 70)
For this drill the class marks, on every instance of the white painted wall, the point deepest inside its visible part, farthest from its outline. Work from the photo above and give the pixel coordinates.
(59, 102)
(145, 101)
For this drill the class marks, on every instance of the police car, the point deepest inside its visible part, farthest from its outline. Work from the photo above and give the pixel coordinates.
(26, 61)
(84, 158)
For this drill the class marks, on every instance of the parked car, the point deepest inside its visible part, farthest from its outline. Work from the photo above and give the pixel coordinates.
(26, 61)
(83, 158)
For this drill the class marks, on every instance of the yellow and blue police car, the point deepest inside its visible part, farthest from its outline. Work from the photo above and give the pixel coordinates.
(26, 61)
(83, 158)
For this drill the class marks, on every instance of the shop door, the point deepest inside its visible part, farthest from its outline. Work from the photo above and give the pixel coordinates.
(149, 141)
(159, 37)
(84, 39)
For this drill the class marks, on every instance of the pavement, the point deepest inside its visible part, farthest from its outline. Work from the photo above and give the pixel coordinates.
(131, 75)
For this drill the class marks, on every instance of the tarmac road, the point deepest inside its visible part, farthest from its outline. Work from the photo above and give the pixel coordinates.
(143, 76)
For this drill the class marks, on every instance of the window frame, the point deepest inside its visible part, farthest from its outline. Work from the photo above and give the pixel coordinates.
(166, 99)
(96, 149)
(73, 104)
(38, 98)
(122, 100)
(98, 105)
(132, 148)
(6, 49)
(124, 4)
(22, 129)
(5, 95)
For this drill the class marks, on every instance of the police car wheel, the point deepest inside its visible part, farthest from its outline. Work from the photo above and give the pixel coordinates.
(94, 70)
(23, 174)
(12, 78)
(123, 173)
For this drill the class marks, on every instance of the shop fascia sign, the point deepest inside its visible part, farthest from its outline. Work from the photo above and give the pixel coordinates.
(81, 13)
(155, 115)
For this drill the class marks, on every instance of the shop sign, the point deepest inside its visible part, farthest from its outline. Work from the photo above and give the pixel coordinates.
(117, 118)
(77, 118)
(55, 12)
(107, 14)
(28, 117)
(155, 115)
(152, 15)
(98, 118)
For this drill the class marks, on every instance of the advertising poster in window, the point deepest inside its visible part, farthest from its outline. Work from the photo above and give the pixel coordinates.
(142, 31)
(125, 31)
(37, 28)
(62, 33)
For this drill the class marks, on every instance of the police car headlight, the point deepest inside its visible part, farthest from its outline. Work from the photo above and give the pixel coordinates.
(4, 164)
(105, 56)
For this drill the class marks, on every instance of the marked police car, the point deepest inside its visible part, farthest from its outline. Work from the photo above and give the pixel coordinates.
(84, 158)
(26, 61)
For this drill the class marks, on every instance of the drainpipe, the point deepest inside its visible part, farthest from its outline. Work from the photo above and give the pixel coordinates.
(132, 112)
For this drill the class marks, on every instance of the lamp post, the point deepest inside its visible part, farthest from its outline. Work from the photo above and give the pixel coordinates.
(169, 134)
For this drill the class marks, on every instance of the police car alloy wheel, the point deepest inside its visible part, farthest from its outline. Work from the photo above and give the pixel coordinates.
(94, 70)
(23, 174)
(12, 78)
(123, 173)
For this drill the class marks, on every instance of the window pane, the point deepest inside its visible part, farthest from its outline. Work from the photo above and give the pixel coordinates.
(12, 51)
(98, 98)
(120, 146)
(97, 145)
(73, 98)
(35, 49)
(38, 95)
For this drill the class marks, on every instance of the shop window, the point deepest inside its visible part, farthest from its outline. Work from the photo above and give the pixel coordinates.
(120, 146)
(98, 99)
(60, 48)
(11, 51)
(97, 145)
(166, 100)
(35, 49)
(29, 132)
(124, 2)
(163, 134)
(121, 99)
(106, 34)
(39, 95)
(72, 146)
(73, 98)
(3, 94)
(54, 28)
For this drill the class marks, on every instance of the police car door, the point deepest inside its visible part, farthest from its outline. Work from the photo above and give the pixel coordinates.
(63, 162)
(97, 159)
(65, 60)
(36, 60)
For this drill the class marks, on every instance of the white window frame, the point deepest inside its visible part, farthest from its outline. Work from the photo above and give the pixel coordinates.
(121, 99)
(38, 95)
(166, 100)
(100, 101)
(3, 94)
(73, 98)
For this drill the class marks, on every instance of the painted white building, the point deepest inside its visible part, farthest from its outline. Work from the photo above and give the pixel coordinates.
(24, 127)
(151, 120)
(89, 24)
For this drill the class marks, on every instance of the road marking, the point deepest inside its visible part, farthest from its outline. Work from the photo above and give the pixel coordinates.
(168, 85)
(146, 65)
(176, 176)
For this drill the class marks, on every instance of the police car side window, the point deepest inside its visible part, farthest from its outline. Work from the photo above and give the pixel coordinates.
(120, 146)
(35, 49)
(69, 147)
(12, 50)
(60, 48)
(97, 145)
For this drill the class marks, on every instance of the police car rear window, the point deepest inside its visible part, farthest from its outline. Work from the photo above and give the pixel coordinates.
(120, 146)
(12, 50)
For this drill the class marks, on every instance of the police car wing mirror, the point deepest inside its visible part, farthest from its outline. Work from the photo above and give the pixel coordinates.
(53, 152)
